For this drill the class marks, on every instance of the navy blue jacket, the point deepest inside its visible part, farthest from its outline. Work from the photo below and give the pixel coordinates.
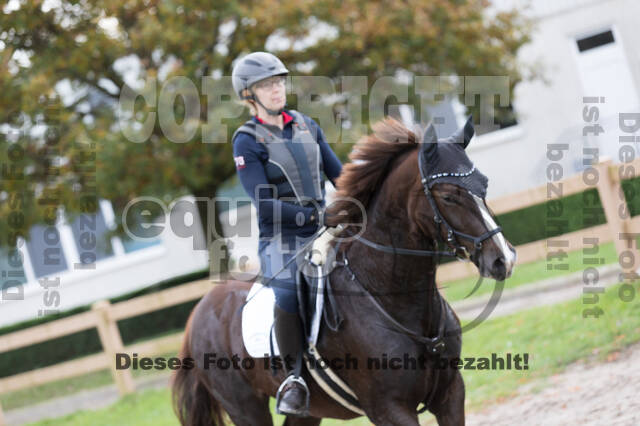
(250, 158)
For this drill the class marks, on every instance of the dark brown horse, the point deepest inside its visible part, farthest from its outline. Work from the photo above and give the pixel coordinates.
(385, 177)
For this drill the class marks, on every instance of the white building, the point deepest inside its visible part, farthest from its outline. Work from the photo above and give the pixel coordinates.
(51, 277)
(586, 48)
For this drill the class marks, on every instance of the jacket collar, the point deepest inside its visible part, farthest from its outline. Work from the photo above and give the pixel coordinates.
(285, 118)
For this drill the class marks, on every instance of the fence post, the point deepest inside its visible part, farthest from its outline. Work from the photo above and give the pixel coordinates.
(112, 343)
(2, 422)
(612, 198)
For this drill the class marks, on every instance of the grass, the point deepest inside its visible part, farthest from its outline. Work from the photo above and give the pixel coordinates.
(149, 408)
(455, 290)
(69, 386)
(47, 391)
(527, 273)
(553, 336)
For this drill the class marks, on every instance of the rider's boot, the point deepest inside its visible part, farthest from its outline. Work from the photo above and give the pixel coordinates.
(293, 394)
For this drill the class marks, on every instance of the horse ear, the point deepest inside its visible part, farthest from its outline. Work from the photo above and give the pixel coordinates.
(429, 142)
(465, 134)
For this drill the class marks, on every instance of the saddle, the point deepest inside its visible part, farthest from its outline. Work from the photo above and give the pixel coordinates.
(315, 300)
(315, 296)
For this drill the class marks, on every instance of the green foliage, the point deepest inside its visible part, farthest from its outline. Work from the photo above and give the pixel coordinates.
(544, 333)
(82, 49)
(149, 408)
(552, 218)
(527, 273)
(568, 214)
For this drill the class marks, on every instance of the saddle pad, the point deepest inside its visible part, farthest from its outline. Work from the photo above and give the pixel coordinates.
(257, 320)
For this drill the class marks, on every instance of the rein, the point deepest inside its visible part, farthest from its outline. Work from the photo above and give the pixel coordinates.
(458, 250)
(399, 250)
(435, 345)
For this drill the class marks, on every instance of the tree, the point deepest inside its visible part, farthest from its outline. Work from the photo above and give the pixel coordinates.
(65, 69)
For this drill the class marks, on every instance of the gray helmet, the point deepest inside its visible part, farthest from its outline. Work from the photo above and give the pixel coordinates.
(254, 67)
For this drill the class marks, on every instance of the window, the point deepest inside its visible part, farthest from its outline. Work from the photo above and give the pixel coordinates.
(89, 235)
(503, 116)
(596, 40)
(45, 250)
(605, 73)
(443, 115)
(448, 113)
(139, 212)
(133, 245)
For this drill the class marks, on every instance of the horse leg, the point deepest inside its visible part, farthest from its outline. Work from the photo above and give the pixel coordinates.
(229, 387)
(449, 411)
(301, 421)
(242, 404)
(386, 415)
(250, 412)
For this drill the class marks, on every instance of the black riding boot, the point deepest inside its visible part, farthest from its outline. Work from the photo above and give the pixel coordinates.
(293, 394)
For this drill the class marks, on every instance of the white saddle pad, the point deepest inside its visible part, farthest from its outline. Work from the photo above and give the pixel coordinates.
(257, 319)
(257, 314)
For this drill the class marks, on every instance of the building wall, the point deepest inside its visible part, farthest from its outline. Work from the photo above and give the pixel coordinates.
(131, 266)
(551, 112)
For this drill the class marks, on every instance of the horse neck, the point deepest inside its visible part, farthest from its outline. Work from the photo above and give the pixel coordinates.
(404, 284)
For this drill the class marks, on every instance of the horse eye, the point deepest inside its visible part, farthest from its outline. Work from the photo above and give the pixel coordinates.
(448, 199)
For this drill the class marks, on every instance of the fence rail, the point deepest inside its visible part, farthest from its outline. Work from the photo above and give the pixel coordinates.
(104, 316)
(609, 186)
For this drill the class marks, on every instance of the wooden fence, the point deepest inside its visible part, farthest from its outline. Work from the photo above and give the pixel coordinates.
(104, 316)
(607, 183)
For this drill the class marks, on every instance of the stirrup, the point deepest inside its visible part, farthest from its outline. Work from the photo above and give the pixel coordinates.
(292, 378)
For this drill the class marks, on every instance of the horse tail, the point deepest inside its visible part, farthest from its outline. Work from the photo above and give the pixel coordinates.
(192, 402)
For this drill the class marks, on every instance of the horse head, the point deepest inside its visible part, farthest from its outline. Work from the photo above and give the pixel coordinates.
(454, 209)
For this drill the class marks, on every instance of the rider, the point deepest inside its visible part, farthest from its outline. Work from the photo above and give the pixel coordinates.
(280, 155)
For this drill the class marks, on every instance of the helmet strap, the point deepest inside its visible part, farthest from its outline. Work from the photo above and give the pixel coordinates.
(274, 112)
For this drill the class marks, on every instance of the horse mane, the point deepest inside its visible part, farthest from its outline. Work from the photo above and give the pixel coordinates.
(370, 158)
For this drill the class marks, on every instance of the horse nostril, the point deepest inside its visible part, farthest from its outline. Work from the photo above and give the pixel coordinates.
(499, 265)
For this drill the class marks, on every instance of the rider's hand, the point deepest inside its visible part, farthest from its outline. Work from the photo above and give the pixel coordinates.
(316, 216)
(320, 217)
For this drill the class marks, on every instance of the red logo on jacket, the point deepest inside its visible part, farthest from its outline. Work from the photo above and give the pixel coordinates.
(239, 162)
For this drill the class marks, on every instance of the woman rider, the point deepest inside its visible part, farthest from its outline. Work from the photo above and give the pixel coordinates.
(280, 155)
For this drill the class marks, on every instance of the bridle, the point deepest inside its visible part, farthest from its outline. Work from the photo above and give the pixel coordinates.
(435, 345)
(457, 250)
(440, 220)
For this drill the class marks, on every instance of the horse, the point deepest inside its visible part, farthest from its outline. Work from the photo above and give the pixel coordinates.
(418, 194)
